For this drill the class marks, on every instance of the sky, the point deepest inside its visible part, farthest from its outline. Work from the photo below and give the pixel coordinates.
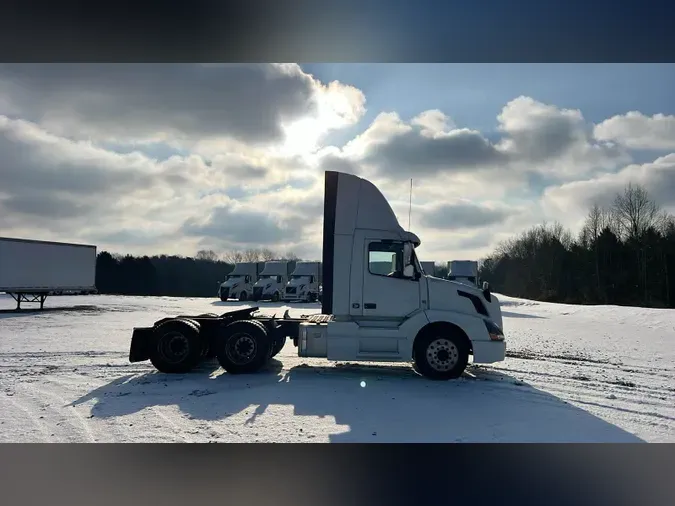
(174, 158)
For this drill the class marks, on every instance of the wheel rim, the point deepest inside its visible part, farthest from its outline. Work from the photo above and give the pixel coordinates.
(442, 355)
(174, 347)
(241, 349)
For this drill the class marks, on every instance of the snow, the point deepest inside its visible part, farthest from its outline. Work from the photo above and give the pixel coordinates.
(573, 373)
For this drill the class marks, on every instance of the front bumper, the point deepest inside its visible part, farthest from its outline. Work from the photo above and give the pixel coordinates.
(141, 342)
(488, 352)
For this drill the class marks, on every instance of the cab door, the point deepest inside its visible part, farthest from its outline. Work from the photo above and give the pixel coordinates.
(387, 293)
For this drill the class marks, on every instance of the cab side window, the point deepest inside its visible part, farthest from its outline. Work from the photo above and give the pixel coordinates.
(385, 259)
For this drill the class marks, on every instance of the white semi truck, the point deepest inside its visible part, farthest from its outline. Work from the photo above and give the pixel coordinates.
(429, 268)
(272, 280)
(32, 270)
(239, 283)
(304, 283)
(399, 316)
(463, 271)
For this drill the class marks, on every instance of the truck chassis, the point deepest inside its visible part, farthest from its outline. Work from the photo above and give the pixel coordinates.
(242, 341)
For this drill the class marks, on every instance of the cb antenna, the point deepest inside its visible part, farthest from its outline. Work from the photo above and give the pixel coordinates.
(410, 204)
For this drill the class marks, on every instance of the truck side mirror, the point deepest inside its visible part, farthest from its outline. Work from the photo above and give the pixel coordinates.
(486, 291)
(408, 271)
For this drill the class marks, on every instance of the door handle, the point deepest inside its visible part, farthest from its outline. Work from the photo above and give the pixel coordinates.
(369, 305)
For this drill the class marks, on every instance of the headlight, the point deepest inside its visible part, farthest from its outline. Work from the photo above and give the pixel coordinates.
(494, 331)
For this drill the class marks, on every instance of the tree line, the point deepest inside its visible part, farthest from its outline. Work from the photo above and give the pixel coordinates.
(174, 276)
(624, 255)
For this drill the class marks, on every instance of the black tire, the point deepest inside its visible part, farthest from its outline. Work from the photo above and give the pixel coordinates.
(275, 297)
(441, 355)
(244, 347)
(243, 296)
(178, 347)
(223, 299)
(312, 297)
(278, 346)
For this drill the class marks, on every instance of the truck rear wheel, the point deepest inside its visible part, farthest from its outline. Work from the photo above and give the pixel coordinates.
(441, 355)
(243, 296)
(179, 347)
(244, 347)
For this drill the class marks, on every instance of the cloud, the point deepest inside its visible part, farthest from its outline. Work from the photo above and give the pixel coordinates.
(180, 103)
(534, 138)
(462, 215)
(58, 188)
(570, 202)
(637, 131)
(174, 158)
(238, 226)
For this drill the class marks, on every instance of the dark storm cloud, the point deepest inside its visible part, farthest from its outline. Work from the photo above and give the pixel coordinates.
(246, 102)
(241, 226)
(412, 153)
(458, 216)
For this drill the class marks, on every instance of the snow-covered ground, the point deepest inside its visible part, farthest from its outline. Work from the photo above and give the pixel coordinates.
(574, 373)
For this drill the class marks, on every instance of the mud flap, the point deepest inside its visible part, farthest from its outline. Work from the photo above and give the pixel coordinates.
(141, 342)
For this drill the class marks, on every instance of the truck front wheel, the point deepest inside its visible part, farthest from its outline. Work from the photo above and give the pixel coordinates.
(243, 296)
(244, 347)
(179, 347)
(441, 355)
(275, 297)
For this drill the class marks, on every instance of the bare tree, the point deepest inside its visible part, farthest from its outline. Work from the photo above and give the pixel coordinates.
(290, 256)
(635, 212)
(251, 255)
(267, 254)
(208, 255)
(233, 256)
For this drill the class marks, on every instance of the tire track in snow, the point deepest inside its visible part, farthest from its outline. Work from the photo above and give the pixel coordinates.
(66, 408)
(32, 418)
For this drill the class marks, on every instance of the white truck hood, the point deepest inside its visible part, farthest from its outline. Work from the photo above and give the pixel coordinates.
(443, 296)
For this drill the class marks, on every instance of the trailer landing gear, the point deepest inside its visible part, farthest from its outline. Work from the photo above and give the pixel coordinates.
(29, 297)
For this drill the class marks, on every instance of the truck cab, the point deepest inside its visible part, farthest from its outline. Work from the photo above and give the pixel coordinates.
(463, 271)
(272, 280)
(397, 315)
(304, 283)
(239, 283)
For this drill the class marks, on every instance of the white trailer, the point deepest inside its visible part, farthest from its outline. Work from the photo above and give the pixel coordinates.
(272, 280)
(239, 283)
(463, 271)
(400, 316)
(304, 283)
(31, 270)
(429, 268)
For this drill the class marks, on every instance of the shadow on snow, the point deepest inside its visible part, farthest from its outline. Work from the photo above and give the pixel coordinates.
(395, 405)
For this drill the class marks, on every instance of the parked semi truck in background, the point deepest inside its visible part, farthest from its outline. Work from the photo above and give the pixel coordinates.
(32, 270)
(239, 283)
(429, 268)
(399, 316)
(304, 283)
(463, 271)
(272, 280)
